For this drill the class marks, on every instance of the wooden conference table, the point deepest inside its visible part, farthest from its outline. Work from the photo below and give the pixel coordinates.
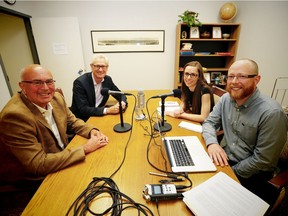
(59, 190)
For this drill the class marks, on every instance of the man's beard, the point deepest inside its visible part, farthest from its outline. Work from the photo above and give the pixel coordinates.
(242, 93)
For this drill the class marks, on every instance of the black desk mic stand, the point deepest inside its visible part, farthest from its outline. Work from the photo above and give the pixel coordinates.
(164, 126)
(121, 127)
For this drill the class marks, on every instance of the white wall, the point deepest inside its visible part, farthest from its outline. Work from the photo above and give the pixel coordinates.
(263, 34)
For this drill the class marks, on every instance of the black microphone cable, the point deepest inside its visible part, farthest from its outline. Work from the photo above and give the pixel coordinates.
(152, 137)
(99, 187)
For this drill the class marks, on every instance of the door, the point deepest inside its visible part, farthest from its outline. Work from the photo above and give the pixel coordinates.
(5, 88)
(15, 45)
(59, 48)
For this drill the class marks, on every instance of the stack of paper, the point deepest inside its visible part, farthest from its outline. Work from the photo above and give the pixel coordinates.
(169, 106)
(222, 196)
(170, 103)
(191, 126)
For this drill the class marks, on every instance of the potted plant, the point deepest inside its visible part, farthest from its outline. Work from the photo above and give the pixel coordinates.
(190, 18)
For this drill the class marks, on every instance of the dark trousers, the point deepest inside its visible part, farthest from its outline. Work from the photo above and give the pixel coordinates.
(258, 184)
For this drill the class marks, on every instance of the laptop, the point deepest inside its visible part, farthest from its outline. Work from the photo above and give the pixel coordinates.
(193, 158)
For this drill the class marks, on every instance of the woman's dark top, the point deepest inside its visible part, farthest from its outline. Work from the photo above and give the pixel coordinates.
(204, 90)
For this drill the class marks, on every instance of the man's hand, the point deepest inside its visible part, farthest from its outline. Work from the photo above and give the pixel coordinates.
(98, 133)
(218, 155)
(115, 109)
(97, 140)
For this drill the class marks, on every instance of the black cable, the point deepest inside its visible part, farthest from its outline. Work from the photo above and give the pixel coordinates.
(152, 136)
(126, 146)
(99, 186)
(95, 190)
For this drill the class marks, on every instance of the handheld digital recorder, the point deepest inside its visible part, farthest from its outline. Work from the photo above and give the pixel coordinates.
(153, 192)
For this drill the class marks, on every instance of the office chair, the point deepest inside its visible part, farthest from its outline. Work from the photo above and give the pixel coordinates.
(280, 180)
(217, 93)
(280, 90)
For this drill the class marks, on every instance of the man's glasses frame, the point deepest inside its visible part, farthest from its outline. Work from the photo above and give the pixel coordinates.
(49, 82)
(241, 77)
(97, 67)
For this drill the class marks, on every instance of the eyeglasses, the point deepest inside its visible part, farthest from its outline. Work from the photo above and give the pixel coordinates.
(240, 77)
(97, 67)
(192, 75)
(49, 82)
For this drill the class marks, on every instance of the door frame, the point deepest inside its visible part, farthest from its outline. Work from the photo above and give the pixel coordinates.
(27, 23)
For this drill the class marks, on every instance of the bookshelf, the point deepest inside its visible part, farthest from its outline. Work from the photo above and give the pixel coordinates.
(214, 52)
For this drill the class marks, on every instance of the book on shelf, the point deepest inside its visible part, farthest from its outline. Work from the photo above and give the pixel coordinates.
(187, 52)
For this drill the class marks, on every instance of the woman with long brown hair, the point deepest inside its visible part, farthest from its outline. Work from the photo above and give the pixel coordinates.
(197, 99)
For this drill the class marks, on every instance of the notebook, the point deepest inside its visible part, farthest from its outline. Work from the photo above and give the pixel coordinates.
(194, 157)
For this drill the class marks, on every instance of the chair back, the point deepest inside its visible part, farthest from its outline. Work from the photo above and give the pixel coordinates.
(280, 91)
(59, 90)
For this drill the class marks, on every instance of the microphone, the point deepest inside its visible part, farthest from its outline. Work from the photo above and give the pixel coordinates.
(141, 99)
(106, 91)
(140, 106)
(164, 126)
(175, 93)
(121, 127)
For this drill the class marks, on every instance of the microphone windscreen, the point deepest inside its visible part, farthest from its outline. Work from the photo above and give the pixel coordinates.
(105, 91)
(177, 93)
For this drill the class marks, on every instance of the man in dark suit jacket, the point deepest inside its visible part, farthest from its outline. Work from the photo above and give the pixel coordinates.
(87, 98)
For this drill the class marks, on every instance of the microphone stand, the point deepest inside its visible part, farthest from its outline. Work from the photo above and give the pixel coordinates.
(121, 127)
(164, 126)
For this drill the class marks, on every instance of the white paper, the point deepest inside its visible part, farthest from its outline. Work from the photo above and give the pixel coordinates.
(169, 108)
(191, 126)
(60, 48)
(169, 104)
(222, 196)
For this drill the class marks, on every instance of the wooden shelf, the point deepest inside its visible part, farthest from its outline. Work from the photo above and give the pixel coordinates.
(213, 62)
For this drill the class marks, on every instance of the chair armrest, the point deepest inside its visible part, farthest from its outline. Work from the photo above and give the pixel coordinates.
(280, 180)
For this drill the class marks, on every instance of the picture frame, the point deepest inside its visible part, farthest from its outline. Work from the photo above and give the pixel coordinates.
(119, 41)
(207, 77)
(194, 32)
(215, 74)
(217, 32)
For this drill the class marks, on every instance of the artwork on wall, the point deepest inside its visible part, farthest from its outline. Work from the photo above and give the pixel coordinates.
(127, 41)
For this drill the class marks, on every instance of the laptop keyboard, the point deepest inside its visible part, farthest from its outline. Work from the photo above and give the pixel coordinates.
(181, 153)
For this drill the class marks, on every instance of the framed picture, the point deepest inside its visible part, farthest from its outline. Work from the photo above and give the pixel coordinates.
(127, 41)
(194, 32)
(207, 77)
(214, 75)
(217, 32)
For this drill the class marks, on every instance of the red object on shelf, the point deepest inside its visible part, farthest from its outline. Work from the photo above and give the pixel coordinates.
(224, 53)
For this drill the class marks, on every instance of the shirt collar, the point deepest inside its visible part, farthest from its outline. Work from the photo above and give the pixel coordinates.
(94, 82)
(42, 110)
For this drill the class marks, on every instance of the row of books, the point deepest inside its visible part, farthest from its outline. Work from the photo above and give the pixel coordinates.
(191, 52)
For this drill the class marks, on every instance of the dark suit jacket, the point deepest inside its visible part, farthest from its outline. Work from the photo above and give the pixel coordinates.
(29, 149)
(83, 101)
